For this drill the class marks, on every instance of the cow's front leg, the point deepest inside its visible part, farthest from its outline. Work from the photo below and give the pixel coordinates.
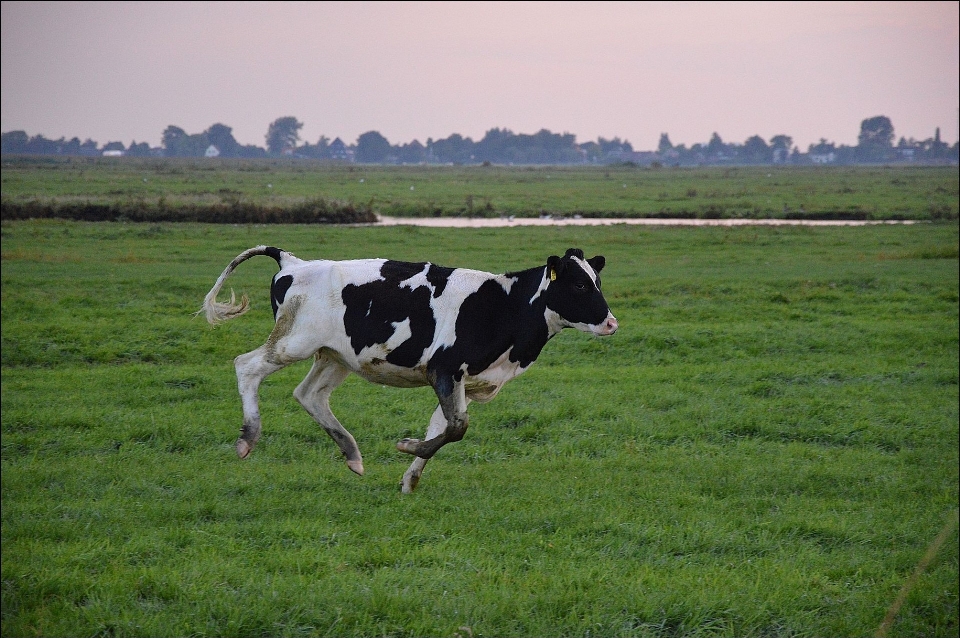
(411, 477)
(453, 405)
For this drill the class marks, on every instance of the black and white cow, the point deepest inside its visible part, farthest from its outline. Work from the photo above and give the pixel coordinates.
(463, 332)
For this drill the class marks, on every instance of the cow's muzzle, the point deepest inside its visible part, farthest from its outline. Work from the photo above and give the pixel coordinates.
(608, 327)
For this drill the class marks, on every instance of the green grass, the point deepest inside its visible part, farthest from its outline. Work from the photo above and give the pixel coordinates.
(147, 187)
(766, 447)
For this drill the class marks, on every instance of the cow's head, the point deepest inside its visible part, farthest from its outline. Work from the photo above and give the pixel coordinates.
(573, 294)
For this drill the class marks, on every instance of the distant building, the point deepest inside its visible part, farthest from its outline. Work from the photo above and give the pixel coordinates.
(212, 151)
(338, 150)
(113, 153)
(823, 158)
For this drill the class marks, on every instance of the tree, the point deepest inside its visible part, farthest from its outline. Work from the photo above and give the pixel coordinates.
(938, 148)
(320, 150)
(780, 148)
(822, 147)
(372, 147)
(665, 144)
(412, 153)
(756, 150)
(783, 142)
(89, 147)
(875, 141)
(323, 147)
(221, 136)
(493, 146)
(283, 134)
(177, 143)
(716, 146)
(172, 136)
(72, 147)
(616, 145)
(456, 149)
(138, 150)
(876, 131)
(15, 142)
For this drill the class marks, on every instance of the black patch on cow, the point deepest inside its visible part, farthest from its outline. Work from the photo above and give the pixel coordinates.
(481, 335)
(373, 308)
(438, 277)
(270, 251)
(278, 291)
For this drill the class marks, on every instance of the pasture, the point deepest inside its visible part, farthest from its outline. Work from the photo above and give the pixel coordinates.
(211, 190)
(767, 447)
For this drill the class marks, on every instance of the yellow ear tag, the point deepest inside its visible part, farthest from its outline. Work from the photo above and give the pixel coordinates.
(553, 275)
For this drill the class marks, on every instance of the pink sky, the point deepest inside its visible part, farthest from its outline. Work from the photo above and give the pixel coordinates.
(125, 71)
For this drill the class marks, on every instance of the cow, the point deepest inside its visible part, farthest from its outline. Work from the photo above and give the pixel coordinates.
(462, 332)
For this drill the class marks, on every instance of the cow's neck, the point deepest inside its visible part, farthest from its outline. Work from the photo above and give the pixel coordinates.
(528, 302)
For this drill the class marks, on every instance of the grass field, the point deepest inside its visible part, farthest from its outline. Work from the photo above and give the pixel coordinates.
(146, 189)
(767, 447)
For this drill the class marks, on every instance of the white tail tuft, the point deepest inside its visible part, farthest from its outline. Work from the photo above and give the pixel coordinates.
(218, 311)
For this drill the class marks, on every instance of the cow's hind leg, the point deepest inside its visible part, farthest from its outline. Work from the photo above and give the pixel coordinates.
(252, 368)
(313, 393)
(284, 346)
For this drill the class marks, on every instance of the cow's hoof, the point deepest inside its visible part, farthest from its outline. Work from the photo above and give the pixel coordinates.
(408, 445)
(244, 448)
(356, 466)
(408, 484)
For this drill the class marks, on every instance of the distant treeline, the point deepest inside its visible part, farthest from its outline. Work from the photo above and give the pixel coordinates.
(875, 145)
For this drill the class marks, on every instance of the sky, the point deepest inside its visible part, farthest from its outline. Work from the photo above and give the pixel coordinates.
(124, 71)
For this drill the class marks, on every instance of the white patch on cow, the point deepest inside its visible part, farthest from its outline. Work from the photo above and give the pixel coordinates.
(401, 332)
(506, 282)
(587, 268)
(462, 283)
(542, 288)
(484, 386)
(354, 271)
(419, 279)
(555, 323)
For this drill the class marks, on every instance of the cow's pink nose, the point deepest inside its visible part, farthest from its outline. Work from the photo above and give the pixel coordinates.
(609, 326)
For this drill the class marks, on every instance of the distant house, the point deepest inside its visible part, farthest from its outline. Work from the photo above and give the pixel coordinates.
(823, 158)
(212, 151)
(113, 153)
(338, 150)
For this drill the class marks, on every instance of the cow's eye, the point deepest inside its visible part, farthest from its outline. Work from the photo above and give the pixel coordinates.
(580, 285)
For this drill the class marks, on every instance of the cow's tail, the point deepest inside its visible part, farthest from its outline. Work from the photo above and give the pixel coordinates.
(218, 311)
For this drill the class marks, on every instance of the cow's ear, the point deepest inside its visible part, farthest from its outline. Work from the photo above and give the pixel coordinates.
(597, 263)
(554, 267)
